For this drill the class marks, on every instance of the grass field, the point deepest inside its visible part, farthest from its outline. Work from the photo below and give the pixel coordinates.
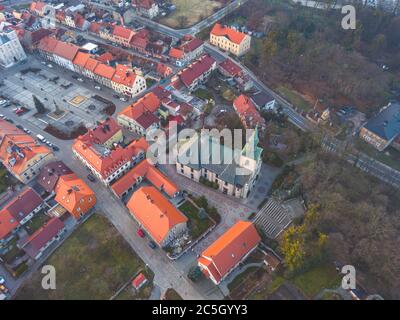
(3, 180)
(189, 12)
(93, 263)
(316, 279)
(197, 225)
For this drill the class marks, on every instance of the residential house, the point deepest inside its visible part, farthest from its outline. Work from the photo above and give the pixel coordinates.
(128, 82)
(189, 49)
(20, 153)
(140, 116)
(230, 69)
(24, 205)
(383, 130)
(146, 8)
(233, 171)
(263, 101)
(197, 73)
(122, 35)
(74, 195)
(103, 74)
(226, 253)
(50, 173)
(64, 54)
(37, 243)
(108, 164)
(38, 8)
(157, 216)
(80, 61)
(46, 48)
(90, 66)
(248, 113)
(8, 226)
(228, 39)
(106, 133)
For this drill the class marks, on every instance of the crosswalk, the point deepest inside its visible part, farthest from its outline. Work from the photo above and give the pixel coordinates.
(273, 218)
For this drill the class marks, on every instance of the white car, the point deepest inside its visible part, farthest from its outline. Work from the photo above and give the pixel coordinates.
(50, 65)
(97, 87)
(27, 130)
(123, 99)
(80, 79)
(2, 280)
(2, 116)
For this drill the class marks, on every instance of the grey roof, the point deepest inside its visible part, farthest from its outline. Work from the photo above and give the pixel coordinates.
(4, 39)
(387, 123)
(261, 98)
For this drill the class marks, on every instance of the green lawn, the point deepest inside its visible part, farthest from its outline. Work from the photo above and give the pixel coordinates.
(294, 98)
(203, 94)
(3, 180)
(197, 225)
(129, 293)
(93, 263)
(268, 289)
(313, 281)
(241, 277)
(36, 222)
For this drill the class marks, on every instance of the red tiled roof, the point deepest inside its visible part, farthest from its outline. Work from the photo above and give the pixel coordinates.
(23, 204)
(196, 69)
(139, 281)
(123, 32)
(139, 41)
(176, 53)
(124, 75)
(7, 223)
(106, 57)
(247, 111)
(230, 67)
(233, 35)
(102, 132)
(91, 64)
(33, 244)
(149, 103)
(192, 45)
(152, 210)
(47, 44)
(161, 92)
(66, 50)
(145, 170)
(230, 248)
(50, 173)
(95, 27)
(104, 71)
(81, 58)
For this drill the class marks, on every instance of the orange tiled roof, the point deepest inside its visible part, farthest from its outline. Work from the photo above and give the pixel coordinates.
(124, 75)
(17, 148)
(148, 103)
(247, 111)
(66, 50)
(233, 35)
(152, 210)
(176, 53)
(106, 164)
(104, 71)
(74, 195)
(81, 58)
(47, 44)
(122, 32)
(103, 132)
(145, 170)
(229, 249)
(7, 223)
(91, 64)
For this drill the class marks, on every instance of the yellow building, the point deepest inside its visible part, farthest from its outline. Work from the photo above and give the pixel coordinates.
(235, 42)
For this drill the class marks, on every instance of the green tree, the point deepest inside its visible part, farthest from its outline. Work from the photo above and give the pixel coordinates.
(41, 109)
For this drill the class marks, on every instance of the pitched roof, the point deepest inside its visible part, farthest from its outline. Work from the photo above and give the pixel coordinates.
(91, 64)
(139, 281)
(102, 132)
(108, 161)
(106, 57)
(50, 173)
(81, 58)
(230, 67)
(161, 92)
(104, 71)
(74, 194)
(176, 53)
(124, 75)
(17, 148)
(7, 223)
(247, 111)
(157, 215)
(123, 32)
(149, 103)
(145, 170)
(387, 123)
(191, 45)
(196, 69)
(223, 31)
(34, 243)
(230, 248)
(23, 204)
(261, 98)
(66, 50)
(47, 44)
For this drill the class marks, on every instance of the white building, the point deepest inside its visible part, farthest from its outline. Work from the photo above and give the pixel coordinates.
(11, 51)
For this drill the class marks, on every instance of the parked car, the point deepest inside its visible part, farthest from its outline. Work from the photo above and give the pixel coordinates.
(116, 96)
(9, 120)
(50, 65)
(123, 99)
(49, 143)
(55, 148)
(91, 178)
(27, 131)
(140, 233)
(2, 280)
(20, 111)
(152, 245)
(80, 80)
(20, 127)
(97, 87)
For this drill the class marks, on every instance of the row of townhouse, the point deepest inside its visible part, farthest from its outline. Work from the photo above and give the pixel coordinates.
(121, 78)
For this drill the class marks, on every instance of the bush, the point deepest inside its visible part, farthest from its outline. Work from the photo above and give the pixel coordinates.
(273, 159)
